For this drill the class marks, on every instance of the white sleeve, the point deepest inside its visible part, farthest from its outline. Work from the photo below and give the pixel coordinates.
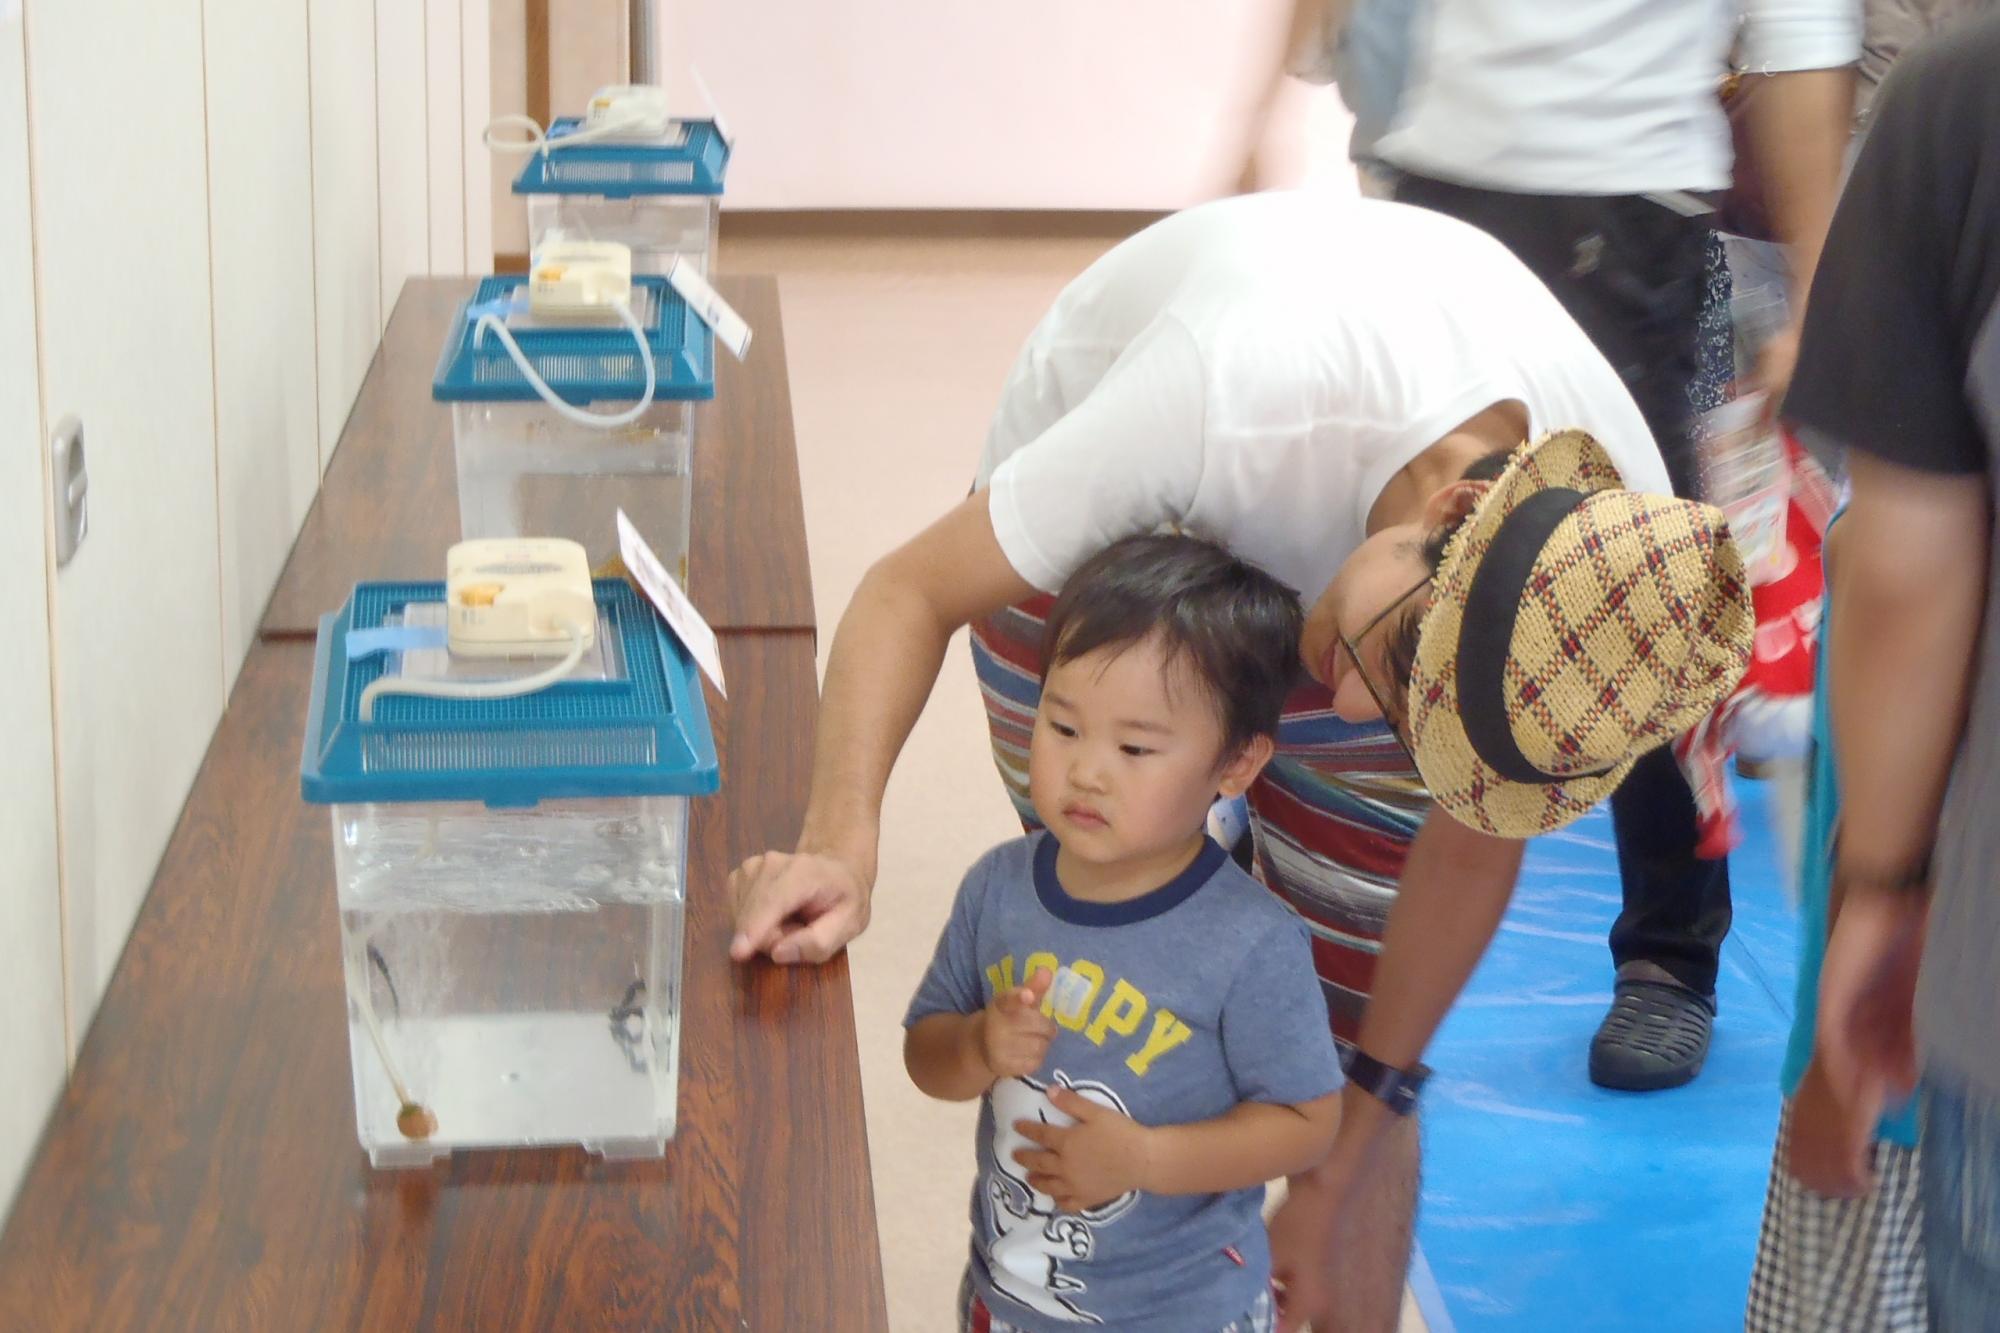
(1783, 35)
(1126, 460)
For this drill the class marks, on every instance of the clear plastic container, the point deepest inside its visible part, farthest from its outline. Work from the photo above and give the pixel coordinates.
(656, 227)
(660, 197)
(511, 880)
(526, 469)
(523, 968)
(523, 471)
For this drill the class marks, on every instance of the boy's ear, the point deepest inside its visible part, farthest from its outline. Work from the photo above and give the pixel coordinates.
(1242, 770)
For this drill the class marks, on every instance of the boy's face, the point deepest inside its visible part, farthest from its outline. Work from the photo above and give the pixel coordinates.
(1126, 759)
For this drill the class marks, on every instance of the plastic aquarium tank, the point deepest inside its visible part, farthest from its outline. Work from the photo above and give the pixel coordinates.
(526, 470)
(662, 198)
(511, 877)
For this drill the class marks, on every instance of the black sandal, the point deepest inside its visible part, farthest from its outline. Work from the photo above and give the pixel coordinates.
(1656, 1036)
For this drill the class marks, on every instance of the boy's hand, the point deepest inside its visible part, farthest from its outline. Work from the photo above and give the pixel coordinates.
(1014, 1033)
(1088, 1164)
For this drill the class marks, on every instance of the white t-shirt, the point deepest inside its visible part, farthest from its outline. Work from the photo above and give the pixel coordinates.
(1256, 370)
(1595, 96)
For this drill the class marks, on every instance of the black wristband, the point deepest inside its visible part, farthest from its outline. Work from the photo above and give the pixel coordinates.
(1397, 1089)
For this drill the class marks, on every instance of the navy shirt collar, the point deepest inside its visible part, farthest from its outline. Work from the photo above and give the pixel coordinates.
(1078, 912)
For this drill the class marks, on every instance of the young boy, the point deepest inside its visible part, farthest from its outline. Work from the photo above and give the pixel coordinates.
(1140, 1017)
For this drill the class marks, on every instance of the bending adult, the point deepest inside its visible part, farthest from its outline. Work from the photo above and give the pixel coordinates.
(1328, 387)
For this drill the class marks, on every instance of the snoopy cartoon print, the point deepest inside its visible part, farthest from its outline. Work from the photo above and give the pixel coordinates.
(1033, 1242)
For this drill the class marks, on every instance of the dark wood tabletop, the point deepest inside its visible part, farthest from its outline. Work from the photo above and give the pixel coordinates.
(389, 506)
(201, 1171)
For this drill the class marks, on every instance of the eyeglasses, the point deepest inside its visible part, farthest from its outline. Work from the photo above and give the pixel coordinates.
(1379, 696)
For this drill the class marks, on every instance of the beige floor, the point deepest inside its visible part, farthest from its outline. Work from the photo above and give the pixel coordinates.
(897, 343)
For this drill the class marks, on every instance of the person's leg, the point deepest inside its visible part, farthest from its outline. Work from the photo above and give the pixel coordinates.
(1653, 816)
(1632, 272)
(1676, 904)
(1961, 1194)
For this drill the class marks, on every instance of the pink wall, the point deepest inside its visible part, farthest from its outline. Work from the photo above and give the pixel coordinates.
(1075, 104)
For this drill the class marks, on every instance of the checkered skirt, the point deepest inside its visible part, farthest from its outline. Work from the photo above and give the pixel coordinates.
(1840, 1265)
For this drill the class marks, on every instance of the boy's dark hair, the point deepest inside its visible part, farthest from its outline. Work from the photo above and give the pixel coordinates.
(1232, 627)
(1400, 645)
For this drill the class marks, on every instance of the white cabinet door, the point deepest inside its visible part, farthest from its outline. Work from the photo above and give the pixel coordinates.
(402, 139)
(31, 996)
(444, 159)
(121, 214)
(347, 255)
(261, 244)
(475, 108)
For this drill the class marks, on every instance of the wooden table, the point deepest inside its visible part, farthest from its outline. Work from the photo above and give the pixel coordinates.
(389, 507)
(201, 1171)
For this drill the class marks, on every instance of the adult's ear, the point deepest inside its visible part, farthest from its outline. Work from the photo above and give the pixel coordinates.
(1449, 504)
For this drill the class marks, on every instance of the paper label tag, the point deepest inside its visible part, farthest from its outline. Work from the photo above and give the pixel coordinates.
(730, 328)
(714, 111)
(673, 604)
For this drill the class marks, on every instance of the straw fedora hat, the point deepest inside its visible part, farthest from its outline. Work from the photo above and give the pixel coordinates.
(1574, 627)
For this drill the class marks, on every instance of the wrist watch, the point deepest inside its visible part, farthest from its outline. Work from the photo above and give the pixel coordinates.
(1395, 1088)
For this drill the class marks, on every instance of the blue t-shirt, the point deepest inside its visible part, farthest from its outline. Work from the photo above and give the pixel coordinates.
(1815, 888)
(1202, 996)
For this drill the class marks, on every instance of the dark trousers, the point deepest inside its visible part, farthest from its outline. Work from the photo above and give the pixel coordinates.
(1630, 271)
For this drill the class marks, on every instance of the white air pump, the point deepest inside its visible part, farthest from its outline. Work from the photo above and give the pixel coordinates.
(630, 112)
(577, 282)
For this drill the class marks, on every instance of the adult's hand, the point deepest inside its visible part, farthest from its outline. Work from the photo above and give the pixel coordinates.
(1832, 1144)
(798, 907)
(1302, 1232)
(1306, 1230)
(1867, 999)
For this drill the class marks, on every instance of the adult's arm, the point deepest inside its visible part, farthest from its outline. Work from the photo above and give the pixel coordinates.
(1800, 124)
(1909, 599)
(805, 905)
(1455, 888)
(1909, 594)
(1803, 117)
(1305, 57)
(1128, 458)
